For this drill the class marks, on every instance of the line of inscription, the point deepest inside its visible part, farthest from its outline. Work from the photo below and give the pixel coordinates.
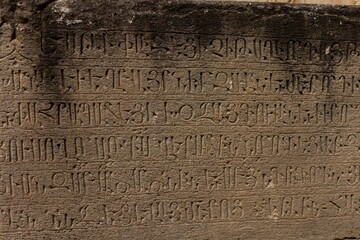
(200, 210)
(135, 80)
(48, 114)
(177, 46)
(124, 182)
(168, 147)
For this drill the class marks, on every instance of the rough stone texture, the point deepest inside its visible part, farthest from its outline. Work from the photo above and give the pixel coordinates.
(339, 2)
(179, 120)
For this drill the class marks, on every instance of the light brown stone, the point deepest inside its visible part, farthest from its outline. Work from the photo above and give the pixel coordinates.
(179, 120)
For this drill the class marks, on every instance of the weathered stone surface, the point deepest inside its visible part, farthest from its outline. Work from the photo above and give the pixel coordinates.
(179, 120)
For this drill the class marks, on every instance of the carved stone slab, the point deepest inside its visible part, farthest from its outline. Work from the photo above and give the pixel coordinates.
(179, 120)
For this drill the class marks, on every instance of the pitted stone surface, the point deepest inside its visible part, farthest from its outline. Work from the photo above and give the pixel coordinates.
(179, 120)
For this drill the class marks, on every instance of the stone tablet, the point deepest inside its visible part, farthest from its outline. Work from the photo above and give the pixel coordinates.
(179, 120)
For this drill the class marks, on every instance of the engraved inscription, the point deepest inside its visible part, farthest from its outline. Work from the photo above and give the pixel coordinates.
(178, 120)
